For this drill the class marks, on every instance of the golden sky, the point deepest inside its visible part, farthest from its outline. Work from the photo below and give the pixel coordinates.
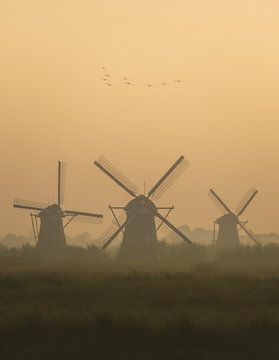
(223, 116)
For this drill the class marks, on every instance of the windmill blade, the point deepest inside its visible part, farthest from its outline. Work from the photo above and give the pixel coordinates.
(220, 201)
(85, 219)
(82, 213)
(248, 233)
(118, 219)
(168, 183)
(168, 234)
(106, 234)
(114, 235)
(82, 219)
(248, 201)
(166, 215)
(62, 167)
(181, 163)
(59, 184)
(35, 234)
(103, 164)
(29, 205)
(114, 171)
(172, 227)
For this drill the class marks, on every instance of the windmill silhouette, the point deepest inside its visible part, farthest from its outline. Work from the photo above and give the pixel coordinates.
(50, 236)
(229, 223)
(139, 229)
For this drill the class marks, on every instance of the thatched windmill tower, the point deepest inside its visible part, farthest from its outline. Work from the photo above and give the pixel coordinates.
(139, 229)
(229, 223)
(50, 236)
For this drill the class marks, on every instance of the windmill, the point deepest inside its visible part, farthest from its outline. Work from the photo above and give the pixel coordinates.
(229, 223)
(139, 228)
(50, 236)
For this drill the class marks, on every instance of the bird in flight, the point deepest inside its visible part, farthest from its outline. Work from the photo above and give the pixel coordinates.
(177, 81)
(148, 85)
(108, 84)
(128, 83)
(164, 84)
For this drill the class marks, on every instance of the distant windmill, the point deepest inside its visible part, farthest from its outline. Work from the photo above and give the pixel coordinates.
(229, 223)
(139, 229)
(50, 236)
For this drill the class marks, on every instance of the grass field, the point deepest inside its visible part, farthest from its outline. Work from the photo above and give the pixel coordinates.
(204, 306)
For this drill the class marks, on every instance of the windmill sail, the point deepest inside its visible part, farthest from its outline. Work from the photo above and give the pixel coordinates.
(218, 201)
(103, 164)
(168, 235)
(62, 168)
(168, 178)
(84, 219)
(246, 201)
(82, 213)
(102, 239)
(249, 233)
(166, 185)
(29, 205)
(173, 228)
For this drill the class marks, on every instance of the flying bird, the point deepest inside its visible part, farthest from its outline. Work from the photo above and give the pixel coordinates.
(177, 81)
(164, 84)
(128, 83)
(148, 85)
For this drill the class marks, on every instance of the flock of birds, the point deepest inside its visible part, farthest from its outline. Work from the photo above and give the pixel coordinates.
(108, 80)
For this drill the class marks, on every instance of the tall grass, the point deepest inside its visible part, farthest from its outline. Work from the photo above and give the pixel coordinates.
(194, 302)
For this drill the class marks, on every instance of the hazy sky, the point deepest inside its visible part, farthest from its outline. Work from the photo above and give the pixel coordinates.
(223, 117)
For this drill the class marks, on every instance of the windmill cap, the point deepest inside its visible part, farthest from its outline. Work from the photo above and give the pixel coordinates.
(227, 218)
(140, 202)
(53, 209)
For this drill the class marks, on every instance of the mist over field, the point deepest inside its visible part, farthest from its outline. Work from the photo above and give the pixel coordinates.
(198, 235)
(195, 302)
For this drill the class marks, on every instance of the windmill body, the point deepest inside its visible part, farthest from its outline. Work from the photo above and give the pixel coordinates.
(228, 231)
(229, 223)
(49, 234)
(139, 230)
(51, 237)
(140, 236)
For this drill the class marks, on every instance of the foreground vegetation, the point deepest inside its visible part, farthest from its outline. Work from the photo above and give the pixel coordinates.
(194, 304)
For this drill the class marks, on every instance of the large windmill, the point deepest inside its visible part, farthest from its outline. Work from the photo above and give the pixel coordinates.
(50, 236)
(229, 223)
(139, 229)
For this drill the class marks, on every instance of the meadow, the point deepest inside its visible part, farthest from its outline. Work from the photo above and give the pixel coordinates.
(193, 303)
